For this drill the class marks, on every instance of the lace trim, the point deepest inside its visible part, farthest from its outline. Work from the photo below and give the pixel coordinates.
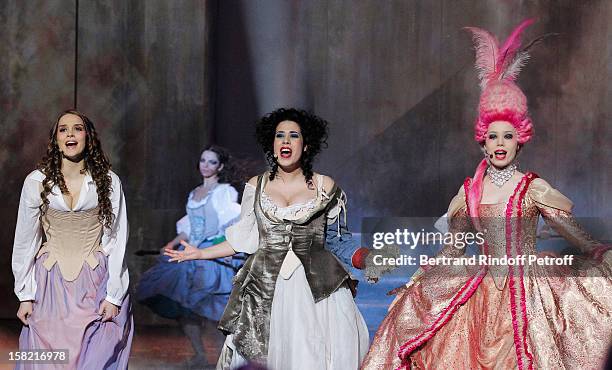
(288, 212)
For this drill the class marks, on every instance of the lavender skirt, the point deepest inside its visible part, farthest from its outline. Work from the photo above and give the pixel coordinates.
(65, 316)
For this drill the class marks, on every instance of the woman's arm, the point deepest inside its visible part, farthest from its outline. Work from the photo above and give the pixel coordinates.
(114, 242)
(28, 237)
(176, 241)
(556, 210)
(340, 241)
(190, 252)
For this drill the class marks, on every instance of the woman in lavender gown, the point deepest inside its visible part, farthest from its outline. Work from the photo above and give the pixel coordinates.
(68, 254)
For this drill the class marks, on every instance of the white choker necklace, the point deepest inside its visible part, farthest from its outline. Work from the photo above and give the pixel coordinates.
(500, 177)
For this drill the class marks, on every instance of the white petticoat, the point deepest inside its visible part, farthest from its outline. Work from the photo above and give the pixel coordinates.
(328, 335)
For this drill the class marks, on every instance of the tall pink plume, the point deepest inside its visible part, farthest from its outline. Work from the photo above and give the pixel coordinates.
(495, 63)
(510, 47)
(487, 49)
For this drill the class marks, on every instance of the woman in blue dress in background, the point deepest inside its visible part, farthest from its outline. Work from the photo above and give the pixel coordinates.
(199, 289)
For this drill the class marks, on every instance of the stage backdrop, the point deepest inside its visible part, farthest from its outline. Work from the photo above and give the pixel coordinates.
(160, 79)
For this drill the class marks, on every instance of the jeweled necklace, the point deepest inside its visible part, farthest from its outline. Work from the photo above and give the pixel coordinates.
(500, 177)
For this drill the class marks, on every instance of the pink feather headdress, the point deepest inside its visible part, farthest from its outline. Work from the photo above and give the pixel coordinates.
(498, 68)
(501, 99)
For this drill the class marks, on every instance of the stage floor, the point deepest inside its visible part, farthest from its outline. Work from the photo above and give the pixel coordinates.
(154, 347)
(165, 347)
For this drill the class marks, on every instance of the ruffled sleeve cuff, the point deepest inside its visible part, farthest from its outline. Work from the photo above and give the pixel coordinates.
(116, 301)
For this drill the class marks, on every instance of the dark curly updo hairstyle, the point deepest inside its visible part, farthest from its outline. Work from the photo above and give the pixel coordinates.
(232, 172)
(95, 161)
(314, 134)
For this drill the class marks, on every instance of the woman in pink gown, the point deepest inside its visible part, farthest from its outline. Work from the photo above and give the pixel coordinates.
(521, 316)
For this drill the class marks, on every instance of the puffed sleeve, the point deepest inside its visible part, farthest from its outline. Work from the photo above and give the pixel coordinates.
(114, 243)
(28, 237)
(183, 226)
(545, 196)
(225, 203)
(243, 236)
(556, 209)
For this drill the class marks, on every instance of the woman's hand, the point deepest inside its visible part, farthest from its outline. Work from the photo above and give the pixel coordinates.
(189, 253)
(108, 311)
(373, 271)
(170, 245)
(24, 311)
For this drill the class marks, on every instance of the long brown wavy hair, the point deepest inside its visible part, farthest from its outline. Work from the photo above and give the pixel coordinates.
(95, 161)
